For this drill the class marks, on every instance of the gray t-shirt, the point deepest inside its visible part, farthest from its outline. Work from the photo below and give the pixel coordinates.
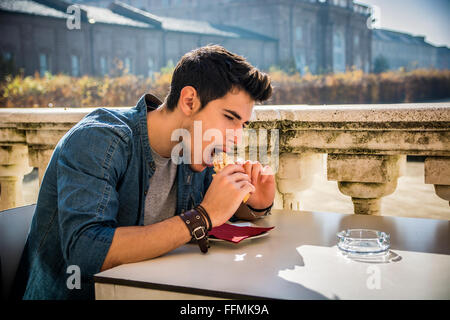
(160, 202)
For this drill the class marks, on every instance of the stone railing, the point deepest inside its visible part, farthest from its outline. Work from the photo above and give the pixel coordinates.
(366, 147)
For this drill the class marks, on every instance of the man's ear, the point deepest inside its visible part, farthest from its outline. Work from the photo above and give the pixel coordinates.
(189, 103)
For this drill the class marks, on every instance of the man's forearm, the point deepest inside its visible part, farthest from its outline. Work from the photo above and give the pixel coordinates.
(139, 243)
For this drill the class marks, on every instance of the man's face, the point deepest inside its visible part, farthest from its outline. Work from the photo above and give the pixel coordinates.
(231, 112)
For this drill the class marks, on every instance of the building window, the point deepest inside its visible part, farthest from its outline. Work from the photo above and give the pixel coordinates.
(151, 67)
(75, 65)
(103, 66)
(170, 64)
(127, 62)
(300, 62)
(338, 51)
(7, 56)
(299, 33)
(366, 66)
(356, 41)
(358, 62)
(340, 3)
(43, 64)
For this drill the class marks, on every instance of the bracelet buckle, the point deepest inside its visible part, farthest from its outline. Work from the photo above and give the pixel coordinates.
(201, 236)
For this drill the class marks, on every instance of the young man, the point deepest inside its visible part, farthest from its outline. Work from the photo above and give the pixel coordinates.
(112, 193)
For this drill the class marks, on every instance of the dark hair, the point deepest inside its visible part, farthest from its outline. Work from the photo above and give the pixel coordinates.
(213, 72)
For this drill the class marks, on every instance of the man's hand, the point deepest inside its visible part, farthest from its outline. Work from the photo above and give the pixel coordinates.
(226, 192)
(262, 178)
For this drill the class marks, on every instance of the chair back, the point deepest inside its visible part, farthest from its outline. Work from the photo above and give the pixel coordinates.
(14, 227)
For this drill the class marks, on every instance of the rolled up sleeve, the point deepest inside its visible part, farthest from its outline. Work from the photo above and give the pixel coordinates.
(89, 166)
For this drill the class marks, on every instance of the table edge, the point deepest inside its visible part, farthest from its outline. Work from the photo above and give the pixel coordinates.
(178, 289)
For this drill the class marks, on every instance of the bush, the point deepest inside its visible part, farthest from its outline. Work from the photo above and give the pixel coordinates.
(357, 87)
(289, 88)
(66, 91)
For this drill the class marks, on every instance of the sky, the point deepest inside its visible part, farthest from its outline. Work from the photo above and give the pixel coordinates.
(429, 18)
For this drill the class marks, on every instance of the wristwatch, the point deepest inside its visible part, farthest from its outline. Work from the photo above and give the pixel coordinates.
(265, 210)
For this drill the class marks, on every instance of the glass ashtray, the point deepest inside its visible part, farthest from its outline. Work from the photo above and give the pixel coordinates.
(363, 241)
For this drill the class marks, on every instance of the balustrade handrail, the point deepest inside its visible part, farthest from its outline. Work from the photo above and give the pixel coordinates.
(413, 112)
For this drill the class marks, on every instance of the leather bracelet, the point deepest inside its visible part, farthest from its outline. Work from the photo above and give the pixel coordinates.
(265, 210)
(197, 228)
(260, 210)
(205, 214)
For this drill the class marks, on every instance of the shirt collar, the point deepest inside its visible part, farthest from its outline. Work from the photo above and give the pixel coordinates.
(147, 103)
(151, 101)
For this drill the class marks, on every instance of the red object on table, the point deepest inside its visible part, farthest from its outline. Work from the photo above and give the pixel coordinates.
(236, 234)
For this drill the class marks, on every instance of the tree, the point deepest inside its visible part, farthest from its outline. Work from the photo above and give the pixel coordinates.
(381, 64)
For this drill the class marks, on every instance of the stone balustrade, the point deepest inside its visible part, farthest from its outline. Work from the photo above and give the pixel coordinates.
(365, 147)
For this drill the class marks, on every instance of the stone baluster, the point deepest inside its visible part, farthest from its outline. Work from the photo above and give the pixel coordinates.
(295, 174)
(437, 172)
(41, 140)
(365, 178)
(40, 158)
(13, 166)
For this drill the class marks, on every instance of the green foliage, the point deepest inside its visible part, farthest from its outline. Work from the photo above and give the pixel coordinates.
(287, 66)
(355, 86)
(380, 64)
(289, 88)
(7, 68)
(168, 68)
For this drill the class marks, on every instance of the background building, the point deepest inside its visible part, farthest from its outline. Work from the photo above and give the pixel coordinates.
(322, 35)
(318, 36)
(37, 37)
(394, 50)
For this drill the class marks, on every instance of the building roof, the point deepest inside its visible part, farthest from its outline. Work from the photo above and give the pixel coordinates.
(122, 14)
(105, 15)
(207, 28)
(186, 25)
(31, 7)
(395, 36)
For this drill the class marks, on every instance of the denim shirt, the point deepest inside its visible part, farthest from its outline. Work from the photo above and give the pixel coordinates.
(96, 181)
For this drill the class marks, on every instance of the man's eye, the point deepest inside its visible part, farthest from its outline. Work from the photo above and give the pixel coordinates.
(228, 117)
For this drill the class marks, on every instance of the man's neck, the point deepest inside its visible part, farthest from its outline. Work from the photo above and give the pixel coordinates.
(160, 125)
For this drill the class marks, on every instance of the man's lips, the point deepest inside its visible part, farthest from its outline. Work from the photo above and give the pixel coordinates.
(214, 151)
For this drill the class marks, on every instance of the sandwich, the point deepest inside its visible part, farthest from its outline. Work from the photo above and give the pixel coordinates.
(220, 161)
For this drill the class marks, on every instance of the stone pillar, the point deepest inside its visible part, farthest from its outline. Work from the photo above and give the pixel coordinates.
(295, 174)
(437, 172)
(40, 158)
(365, 178)
(13, 166)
